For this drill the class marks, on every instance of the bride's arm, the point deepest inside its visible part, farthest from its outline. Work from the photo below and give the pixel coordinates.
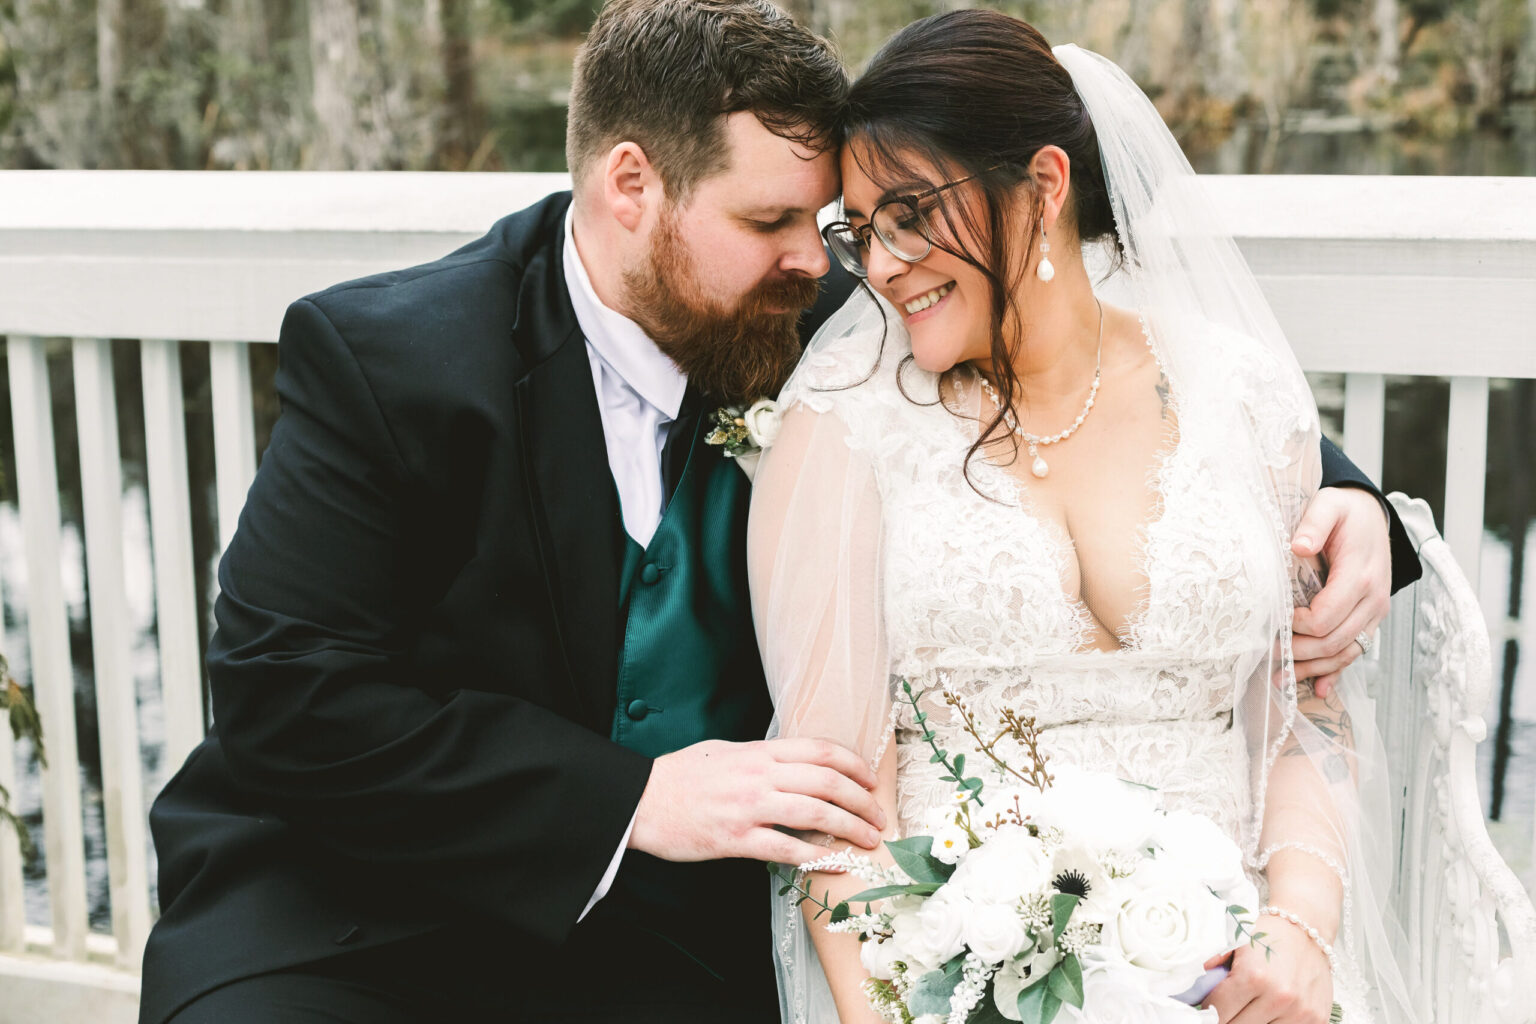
(814, 559)
(1300, 745)
(839, 953)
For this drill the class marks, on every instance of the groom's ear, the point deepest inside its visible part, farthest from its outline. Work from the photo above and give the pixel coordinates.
(631, 187)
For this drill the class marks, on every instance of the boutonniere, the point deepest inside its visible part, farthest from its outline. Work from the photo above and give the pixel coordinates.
(743, 434)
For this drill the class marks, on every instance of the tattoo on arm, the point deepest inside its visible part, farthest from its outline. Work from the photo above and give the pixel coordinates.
(1330, 718)
(1163, 392)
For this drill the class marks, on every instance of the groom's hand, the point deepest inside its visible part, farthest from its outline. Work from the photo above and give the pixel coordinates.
(1347, 526)
(717, 799)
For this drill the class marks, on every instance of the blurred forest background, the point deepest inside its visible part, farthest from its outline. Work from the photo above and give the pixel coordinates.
(1364, 86)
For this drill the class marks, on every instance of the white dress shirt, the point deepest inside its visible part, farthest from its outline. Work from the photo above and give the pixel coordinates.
(639, 393)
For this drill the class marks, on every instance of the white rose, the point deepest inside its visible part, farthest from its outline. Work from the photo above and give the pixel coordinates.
(1009, 865)
(936, 932)
(763, 421)
(1200, 848)
(878, 958)
(950, 843)
(1168, 926)
(995, 933)
(1099, 810)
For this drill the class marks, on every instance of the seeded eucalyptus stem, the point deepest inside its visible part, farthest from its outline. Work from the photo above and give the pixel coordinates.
(792, 881)
(940, 755)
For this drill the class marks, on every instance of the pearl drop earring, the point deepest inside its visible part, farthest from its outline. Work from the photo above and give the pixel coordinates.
(1044, 270)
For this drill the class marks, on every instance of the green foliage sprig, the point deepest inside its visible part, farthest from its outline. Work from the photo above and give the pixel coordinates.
(17, 703)
(954, 765)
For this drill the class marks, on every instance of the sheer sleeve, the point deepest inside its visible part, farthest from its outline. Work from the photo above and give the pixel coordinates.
(1320, 832)
(814, 560)
(813, 548)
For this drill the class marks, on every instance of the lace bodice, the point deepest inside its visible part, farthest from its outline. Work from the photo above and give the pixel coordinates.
(975, 602)
(904, 568)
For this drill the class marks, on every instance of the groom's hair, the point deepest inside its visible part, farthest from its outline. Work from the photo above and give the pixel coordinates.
(664, 73)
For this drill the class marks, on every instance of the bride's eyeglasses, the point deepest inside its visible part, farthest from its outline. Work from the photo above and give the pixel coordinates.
(898, 223)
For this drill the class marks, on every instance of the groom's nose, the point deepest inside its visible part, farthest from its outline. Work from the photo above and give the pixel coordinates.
(806, 255)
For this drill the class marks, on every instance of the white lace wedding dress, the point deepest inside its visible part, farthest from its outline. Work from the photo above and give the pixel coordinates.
(961, 588)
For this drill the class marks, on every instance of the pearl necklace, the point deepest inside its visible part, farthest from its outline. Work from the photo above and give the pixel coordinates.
(1039, 466)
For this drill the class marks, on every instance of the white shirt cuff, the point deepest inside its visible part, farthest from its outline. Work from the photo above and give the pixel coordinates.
(613, 869)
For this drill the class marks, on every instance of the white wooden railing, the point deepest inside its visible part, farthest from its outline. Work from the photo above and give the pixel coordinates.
(1370, 277)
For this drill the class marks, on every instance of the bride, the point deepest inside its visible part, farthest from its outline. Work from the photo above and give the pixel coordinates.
(995, 482)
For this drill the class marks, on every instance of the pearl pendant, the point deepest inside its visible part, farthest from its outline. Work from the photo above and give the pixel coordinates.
(1039, 468)
(1045, 271)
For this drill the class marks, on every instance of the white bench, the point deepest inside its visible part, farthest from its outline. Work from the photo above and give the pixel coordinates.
(1453, 891)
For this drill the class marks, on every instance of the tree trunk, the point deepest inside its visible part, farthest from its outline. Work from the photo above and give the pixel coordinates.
(339, 90)
(1388, 52)
(109, 73)
(462, 125)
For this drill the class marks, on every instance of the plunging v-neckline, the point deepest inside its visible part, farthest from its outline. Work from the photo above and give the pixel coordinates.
(1127, 637)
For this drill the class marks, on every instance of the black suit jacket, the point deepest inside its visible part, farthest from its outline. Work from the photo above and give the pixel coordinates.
(413, 672)
(418, 628)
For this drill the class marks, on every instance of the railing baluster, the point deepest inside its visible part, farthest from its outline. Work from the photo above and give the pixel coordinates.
(101, 481)
(170, 513)
(37, 488)
(1466, 460)
(234, 430)
(1365, 413)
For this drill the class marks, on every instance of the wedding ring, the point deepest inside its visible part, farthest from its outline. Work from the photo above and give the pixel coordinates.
(1365, 642)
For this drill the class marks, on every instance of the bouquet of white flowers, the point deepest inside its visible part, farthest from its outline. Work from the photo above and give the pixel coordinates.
(1065, 892)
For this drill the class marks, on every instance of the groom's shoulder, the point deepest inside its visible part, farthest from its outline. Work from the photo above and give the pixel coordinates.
(472, 290)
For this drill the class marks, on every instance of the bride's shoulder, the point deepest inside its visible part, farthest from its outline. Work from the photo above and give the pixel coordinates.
(852, 362)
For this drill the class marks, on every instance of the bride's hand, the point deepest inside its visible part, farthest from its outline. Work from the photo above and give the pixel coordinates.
(1292, 985)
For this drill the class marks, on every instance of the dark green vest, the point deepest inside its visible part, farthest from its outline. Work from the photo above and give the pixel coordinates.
(689, 668)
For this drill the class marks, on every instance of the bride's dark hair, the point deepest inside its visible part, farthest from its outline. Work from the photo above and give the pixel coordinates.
(980, 93)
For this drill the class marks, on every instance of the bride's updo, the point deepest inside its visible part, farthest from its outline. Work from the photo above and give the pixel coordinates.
(979, 93)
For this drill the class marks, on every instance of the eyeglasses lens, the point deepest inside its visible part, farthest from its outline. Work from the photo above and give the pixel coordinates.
(901, 228)
(849, 249)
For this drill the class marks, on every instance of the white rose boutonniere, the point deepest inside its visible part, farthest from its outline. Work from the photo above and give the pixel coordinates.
(743, 435)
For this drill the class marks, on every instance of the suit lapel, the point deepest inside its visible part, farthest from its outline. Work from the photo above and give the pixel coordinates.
(570, 486)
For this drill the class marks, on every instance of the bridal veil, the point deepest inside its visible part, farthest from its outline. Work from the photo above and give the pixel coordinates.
(815, 546)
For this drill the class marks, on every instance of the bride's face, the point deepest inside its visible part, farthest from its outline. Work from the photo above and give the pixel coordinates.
(957, 327)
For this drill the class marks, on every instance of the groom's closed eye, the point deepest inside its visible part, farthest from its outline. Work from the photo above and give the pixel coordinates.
(770, 226)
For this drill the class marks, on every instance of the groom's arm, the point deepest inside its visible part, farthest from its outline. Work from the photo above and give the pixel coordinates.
(1338, 471)
(489, 804)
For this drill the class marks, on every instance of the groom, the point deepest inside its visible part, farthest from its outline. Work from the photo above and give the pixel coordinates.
(485, 689)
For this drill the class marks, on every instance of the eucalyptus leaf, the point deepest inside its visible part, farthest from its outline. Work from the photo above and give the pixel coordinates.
(841, 913)
(1066, 982)
(885, 891)
(1038, 1005)
(1062, 905)
(932, 992)
(915, 857)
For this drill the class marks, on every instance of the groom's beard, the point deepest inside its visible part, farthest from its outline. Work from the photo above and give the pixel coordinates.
(740, 354)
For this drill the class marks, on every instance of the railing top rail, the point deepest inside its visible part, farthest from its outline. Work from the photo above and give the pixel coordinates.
(1356, 207)
(1412, 275)
(265, 201)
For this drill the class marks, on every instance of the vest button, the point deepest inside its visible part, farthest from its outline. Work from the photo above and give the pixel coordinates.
(650, 574)
(637, 709)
